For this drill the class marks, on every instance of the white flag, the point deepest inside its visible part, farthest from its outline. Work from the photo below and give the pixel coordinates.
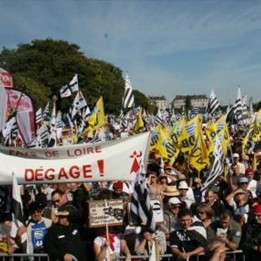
(68, 89)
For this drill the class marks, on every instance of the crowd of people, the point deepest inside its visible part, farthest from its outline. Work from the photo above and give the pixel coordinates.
(224, 217)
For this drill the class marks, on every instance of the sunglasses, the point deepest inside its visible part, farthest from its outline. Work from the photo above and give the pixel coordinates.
(56, 201)
(61, 216)
(244, 183)
(175, 206)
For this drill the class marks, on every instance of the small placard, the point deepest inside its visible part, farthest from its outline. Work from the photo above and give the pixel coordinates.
(102, 212)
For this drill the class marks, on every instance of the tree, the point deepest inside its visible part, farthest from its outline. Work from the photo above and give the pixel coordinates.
(44, 66)
(188, 105)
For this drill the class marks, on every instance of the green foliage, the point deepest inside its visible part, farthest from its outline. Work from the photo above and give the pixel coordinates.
(42, 67)
(257, 106)
(188, 105)
(143, 101)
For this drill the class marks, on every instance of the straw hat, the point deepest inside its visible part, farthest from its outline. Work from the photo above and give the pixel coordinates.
(171, 191)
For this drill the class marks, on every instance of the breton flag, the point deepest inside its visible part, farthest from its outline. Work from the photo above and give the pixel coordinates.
(46, 111)
(39, 116)
(78, 104)
(213, 104)
(238, 111)
(140, 208)
(217, 166)
(68, 89)
(159, 118)
(17, 210)
(128, 97)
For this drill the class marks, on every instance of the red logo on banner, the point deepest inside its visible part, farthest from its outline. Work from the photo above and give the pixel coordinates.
(135, 165)
(6, 79)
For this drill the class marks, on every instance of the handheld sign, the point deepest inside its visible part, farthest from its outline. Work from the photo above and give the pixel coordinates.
(105, 212)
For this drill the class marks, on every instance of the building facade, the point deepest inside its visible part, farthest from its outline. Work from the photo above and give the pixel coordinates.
(159, 101)
(196, 101)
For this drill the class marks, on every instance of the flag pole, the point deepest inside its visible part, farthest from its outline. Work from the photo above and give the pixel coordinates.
(107, 233)
(156, 242)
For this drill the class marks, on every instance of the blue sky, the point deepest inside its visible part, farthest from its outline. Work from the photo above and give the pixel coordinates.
(168, 47)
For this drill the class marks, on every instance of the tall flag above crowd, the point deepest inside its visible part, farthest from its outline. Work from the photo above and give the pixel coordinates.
(128, 97)
(69, 88)
(213, 104)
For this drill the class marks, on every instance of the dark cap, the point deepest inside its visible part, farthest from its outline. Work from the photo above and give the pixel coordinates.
(36, 205)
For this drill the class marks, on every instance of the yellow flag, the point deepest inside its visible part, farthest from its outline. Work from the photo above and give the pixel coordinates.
(199, 156)
(100, 113)
(164, 147)
(257, 127)
(139, 122)
(187, 137)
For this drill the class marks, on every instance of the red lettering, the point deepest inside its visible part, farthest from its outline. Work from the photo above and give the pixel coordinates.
(50, 154)
(74, 174)
(38, 176)
(22, 153)
(98, 149)
(62, 174)
(29, 175)
(49, 174)
(87, 171)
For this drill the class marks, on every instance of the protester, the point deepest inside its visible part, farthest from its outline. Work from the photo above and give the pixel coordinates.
(37, 228)
(238, 200)
(211, 198)
(63, 240)
(188, 241)
(108, 246)
(205, 213)
(183, 189)
(171, 220)
(151, 243)
(251, 236)
(215, 250)
(7, 244)
(226, 229)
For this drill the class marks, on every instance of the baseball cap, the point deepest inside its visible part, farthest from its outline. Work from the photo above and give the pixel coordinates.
(174, 201)
(243, 180)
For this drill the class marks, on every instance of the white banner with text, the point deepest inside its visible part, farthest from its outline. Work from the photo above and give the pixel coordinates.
(113, 160)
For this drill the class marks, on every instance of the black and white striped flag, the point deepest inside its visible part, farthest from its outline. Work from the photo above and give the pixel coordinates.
(217, 165)
(213, 104)
(245, 112)
(128, 97)
(140, 208)
(46, 111)
(68, 89)
(17, 210)
(159, 118)
(39, 116)
(238, 110)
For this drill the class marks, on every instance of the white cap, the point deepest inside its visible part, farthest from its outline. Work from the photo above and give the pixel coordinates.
(174, 201)
(183, 185)
(235, 155)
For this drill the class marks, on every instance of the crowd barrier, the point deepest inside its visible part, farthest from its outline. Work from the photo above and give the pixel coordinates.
(44, 257)
(24, 257)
